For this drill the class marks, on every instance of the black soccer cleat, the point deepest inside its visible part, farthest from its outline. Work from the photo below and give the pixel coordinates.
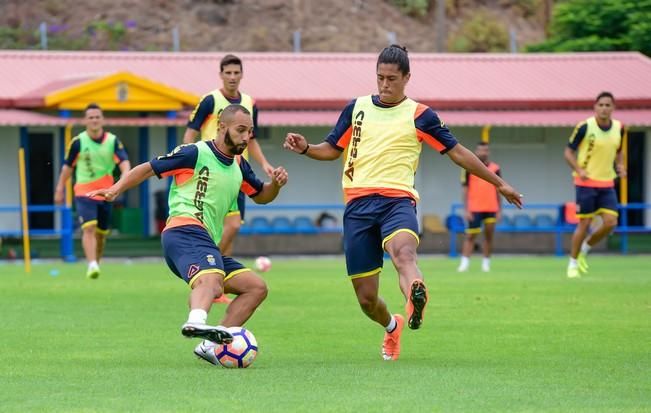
(416, 304)
(218, 335)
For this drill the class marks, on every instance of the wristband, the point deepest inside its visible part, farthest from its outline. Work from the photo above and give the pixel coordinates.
(306, 148)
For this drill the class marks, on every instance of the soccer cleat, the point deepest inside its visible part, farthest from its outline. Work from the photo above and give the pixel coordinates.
(391, 343)
(216, 334)
(463, 267)
(486, 267)
(206, 351)
(416, 304)
(582, 260)
(222, 299)
(573, 272)
(93, 272)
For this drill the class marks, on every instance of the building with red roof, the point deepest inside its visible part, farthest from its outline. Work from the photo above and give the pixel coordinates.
(527, 104)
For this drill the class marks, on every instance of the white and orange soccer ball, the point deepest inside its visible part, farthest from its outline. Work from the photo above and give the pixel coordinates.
(241, 352)
(263, 264)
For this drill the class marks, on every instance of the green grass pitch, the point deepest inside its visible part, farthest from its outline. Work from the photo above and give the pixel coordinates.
(523, 338)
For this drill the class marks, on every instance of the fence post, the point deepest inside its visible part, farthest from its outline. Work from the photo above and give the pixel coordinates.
(67, 252)
(624, 246)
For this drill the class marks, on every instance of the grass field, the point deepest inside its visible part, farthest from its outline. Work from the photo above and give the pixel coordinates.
(522, 338)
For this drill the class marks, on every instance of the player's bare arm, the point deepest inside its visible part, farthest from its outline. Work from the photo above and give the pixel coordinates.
(321, 152)
(619, 165)
(190, 135)
(256, 153)
(466, 159)
(132, 178)
(271, 189)
(66, 173)
(570, 158)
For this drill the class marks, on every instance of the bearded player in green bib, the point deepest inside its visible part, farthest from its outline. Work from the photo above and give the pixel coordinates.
(92, 156)
(208, 176)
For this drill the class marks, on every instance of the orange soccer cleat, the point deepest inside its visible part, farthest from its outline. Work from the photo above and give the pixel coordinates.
(416, 304)
(391, 343)
(222, 299)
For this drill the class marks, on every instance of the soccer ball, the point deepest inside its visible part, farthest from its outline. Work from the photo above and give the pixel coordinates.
(241, 352)
(263, 264)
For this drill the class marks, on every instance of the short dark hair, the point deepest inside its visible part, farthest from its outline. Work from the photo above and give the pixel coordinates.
(395, 54)
(605, 95)
(482, 143)
(230, 59)
(92, 106)
(231, 110)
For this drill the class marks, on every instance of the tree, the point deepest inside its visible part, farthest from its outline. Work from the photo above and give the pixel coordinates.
(588, 25)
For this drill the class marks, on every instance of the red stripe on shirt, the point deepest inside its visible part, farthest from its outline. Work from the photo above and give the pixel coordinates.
(247, 188)
(345, 138)
(430, 140)
(419, 110)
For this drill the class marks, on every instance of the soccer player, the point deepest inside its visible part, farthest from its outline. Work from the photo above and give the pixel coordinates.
(208, 176)
(92, 155)
(595, 146)
(204, 120)
(482, 206)
(382, 135)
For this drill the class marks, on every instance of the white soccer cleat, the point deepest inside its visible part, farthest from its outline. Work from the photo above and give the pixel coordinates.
(463, 267)
(216, 334)
(206, 351)
(485, 267)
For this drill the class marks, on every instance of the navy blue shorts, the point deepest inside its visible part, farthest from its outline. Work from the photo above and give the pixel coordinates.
(369, 223)
(190, 252)
(241, 204)
(592, 201)
(479, 218)
(93, 212)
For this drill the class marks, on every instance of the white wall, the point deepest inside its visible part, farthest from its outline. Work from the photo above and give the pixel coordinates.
(531, 160)
(10, 192)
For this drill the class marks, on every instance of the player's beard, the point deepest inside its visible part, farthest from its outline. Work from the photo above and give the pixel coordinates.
(235, 149)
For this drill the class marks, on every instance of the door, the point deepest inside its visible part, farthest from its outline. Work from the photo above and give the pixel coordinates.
(41, 178)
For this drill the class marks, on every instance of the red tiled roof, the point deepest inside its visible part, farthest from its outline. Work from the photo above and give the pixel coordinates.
(328, 81)
(557, 118)
(15, 117)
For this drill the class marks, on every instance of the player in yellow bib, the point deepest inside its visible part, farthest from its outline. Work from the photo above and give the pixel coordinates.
(204, 120)
(382, 135)
(594, 147)
(92, 155)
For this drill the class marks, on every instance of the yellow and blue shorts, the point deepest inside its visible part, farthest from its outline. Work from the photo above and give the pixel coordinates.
(592, 201)
(190, 253)
(369, 223)
(479, 218)
(93, 212)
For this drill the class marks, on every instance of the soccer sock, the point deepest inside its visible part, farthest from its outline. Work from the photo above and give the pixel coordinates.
(585, 247)
(486, 261)
(464, 261)
(93, 264)
(573, 263)
(197, 316)
(392, 325)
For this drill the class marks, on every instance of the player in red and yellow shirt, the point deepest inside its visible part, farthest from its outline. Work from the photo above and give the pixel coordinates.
(482, 206)
(594, 147)
(382, 136)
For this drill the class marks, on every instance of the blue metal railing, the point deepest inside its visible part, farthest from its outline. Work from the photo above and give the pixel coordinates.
(65, 232)
(250, 228)
(559, 228)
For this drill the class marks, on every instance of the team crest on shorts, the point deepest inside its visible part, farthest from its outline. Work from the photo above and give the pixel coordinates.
(193, 270)
(211, 259)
